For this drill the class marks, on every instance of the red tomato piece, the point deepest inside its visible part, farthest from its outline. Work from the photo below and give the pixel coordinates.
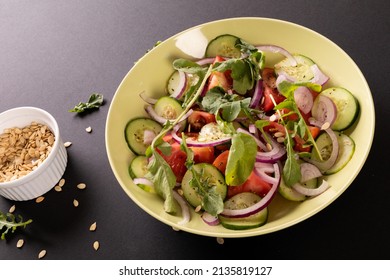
(199, 118)
(220, 161)
(271, 93)
(253, 184)
(219, 79)
(203, 154)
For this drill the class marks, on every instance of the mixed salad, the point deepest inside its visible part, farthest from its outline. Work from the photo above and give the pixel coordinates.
(232, 132)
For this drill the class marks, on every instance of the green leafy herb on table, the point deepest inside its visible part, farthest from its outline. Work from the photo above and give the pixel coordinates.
(9, 223)
(94, 102)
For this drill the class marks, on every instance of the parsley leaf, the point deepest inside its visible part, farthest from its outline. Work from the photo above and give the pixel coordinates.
(94, 102)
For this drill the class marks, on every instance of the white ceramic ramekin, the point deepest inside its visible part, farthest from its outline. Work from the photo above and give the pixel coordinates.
(44, 178)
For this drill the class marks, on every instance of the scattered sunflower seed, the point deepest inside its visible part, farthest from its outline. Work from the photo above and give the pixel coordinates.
(92, 227)
(58, 188)
(81, 186)
(67, 144)
(279, 134)
(41, 254)
(75, 203)
(20, 243)
(12, 209)
(220, 240)
(61, 183)
(180, 191)
(326, 125)
(198, 208)
(39, 199)
(269, 146)
(280, 139)
(96, 245)
(88, 129)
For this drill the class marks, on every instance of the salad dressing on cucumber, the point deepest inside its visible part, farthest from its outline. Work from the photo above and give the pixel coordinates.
(231, 133)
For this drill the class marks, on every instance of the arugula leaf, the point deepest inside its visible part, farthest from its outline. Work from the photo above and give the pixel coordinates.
(9, 223)
(164, 180)
(94, 102)
(241, 160)
(291, 168)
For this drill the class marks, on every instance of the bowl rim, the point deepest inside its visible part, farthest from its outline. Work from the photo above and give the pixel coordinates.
(55, 129)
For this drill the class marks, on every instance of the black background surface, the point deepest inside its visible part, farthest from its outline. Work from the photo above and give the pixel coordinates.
(54, 54)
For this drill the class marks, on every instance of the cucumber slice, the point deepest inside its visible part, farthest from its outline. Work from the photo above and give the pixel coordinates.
(346, 150)
(173, 82)
(138, 169)
(209, 174)
(291, 194)
(168, 108)
(301, 72)
(242, 201)
(223, 45)
(347, 107)
(134, 133)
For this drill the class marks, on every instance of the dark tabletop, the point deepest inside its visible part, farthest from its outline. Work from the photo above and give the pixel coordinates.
(54, 54)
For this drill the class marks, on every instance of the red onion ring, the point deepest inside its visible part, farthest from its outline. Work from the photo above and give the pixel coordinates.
(143, 181)
(311, 192)
(258, 142)
(147, 99)
(309, 171)
(264, 202)
(205, 61)
(327, 164)
(149, 135)
(277, 152)
(185, 210)
(257, 94)
(324, 110)
(278, 49)
(152, 113)
(181, 86)
(319, 77)
(210, 219)
(303, 99)
(262, 168)
(191, 142)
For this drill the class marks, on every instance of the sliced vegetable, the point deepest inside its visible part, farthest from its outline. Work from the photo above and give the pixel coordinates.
(177, 84)
(301, 72)
(211, 179)
(239, 202)
(223, 45)
(346, 149)
(168, 108)
(324, 110)
(135, 132)
(347, 107)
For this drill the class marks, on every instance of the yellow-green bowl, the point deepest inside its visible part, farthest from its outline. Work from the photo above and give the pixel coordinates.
(150, 75)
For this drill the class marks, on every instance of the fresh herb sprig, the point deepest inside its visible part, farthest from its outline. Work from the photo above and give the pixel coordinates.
(94, 102)
(9, 223)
